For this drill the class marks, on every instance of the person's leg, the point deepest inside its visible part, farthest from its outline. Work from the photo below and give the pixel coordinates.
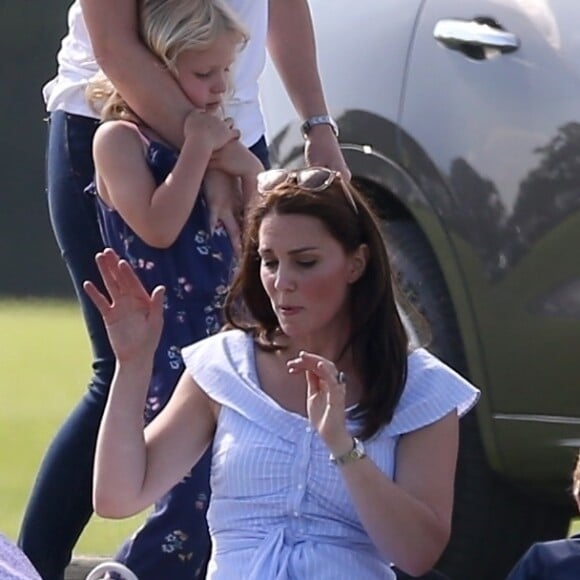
(60, 503)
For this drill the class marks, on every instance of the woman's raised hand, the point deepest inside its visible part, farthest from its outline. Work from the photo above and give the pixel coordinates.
(133, 318)
(325, 400)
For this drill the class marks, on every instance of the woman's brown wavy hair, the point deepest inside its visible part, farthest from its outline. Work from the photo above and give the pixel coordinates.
(378, 338)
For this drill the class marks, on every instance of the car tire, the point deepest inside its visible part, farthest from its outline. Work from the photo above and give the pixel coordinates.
(493, 522)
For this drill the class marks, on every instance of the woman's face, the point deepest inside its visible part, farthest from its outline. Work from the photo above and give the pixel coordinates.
(306, 273)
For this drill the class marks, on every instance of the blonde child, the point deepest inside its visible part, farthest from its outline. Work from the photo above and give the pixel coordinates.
(152, 210)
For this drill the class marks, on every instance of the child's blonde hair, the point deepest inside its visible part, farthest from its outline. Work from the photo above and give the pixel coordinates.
(167, 28)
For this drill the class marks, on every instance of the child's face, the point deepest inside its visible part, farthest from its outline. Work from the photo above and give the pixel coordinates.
(203, 75)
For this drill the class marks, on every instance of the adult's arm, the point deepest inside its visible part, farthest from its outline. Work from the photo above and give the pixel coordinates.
(292, 47)
(138, 75)
(134, 467)
(408, 520)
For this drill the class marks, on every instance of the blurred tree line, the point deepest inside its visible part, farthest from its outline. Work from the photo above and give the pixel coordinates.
(30, 262)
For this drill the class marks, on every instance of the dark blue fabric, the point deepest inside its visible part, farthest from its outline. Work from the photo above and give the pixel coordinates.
(60, 504)
(195, 271)
(555, 560)
(174, 542)
(432, 575)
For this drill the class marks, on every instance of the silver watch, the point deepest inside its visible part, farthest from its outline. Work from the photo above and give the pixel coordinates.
(357, 452)
(318, 120)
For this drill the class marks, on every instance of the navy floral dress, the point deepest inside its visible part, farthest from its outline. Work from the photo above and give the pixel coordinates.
(174, 543)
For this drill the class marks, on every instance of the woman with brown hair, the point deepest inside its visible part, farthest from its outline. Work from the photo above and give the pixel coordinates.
(334, 446)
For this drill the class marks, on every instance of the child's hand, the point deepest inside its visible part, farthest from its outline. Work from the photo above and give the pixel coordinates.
(237, 160)
(223, 198)
(210, 128)
(133, 318)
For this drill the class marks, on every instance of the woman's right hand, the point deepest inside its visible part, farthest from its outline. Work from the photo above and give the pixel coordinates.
(216, 132)
(133, 318)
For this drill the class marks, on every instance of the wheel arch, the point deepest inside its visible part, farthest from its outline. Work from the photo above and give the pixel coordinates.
(397, 197)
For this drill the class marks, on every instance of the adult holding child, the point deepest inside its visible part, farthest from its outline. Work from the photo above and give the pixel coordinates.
(60, 504)
(152, 206)
(334, 446)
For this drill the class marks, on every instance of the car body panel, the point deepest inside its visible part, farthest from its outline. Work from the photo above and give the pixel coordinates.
(504, 134)
(485, 155)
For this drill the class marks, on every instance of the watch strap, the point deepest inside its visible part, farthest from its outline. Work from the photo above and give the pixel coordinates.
(318, 120)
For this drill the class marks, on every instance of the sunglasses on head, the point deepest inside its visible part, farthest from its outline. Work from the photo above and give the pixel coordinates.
(309, 179)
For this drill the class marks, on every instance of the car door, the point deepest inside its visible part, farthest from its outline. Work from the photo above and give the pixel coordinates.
(492, 100)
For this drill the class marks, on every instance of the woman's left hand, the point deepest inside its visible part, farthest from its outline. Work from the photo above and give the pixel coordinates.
(325, 402)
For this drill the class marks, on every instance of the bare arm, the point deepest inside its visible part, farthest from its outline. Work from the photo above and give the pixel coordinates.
(132, 467)
(146, 86)
(408, 520)
(157, 214)
(292, 48)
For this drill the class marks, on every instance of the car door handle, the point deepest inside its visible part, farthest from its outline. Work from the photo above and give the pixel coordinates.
(461, 34)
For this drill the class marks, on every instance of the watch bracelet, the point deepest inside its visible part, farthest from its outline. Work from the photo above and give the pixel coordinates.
(315, 120)
(354, 454)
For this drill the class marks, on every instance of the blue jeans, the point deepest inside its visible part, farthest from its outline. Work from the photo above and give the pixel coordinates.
(60, 504)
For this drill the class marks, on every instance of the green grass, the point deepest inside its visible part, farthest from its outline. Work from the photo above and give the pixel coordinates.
(45, 366)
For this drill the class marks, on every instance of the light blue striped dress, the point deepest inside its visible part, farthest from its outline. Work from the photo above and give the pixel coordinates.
(279, 509)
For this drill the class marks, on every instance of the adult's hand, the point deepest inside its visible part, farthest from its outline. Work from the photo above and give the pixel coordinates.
(325, 402)
(133, 318)
(322, 148)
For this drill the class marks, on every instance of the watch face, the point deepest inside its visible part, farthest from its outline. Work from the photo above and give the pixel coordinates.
(359, 450)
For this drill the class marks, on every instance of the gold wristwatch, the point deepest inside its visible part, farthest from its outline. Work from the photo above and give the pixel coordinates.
(357, 452)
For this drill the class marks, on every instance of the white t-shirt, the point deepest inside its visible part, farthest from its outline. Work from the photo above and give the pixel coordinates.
(77, 64)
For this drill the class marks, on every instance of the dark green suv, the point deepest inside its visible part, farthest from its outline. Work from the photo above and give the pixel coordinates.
(461, 119)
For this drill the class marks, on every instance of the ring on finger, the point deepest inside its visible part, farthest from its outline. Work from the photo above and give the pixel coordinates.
(341, 377)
